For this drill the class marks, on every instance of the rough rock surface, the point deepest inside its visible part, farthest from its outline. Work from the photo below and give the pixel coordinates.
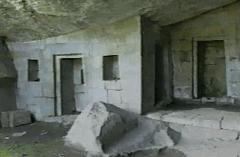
(104, 128)
(64, 120)
(7, 68)
(37, 19)
(158, 153)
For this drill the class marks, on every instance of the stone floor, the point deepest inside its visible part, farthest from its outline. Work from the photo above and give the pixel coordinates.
(212, 118)
(206, 131)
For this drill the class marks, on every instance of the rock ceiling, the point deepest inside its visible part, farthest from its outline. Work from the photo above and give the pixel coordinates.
(22, 20)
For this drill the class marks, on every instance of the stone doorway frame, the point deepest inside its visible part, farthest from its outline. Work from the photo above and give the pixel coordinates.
(195, 62)
(57, 78)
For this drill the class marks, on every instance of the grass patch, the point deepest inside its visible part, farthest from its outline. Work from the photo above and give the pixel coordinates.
(47, 149)
(5, 152)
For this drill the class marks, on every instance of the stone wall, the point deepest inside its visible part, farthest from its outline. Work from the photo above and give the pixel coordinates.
(220, 24)
(122, 39)
(150, 38)
(156, 70)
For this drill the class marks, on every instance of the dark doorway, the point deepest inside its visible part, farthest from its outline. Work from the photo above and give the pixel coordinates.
(211, 69)
(160, 93)
(67, 86)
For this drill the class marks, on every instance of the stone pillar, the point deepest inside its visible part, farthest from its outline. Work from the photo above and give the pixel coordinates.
(8, 77)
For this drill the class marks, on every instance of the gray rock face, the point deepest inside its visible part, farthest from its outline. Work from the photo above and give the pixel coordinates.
(105, 129)
(37, 19)
(7, 68)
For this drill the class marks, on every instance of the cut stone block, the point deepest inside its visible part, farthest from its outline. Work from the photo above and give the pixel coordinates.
(225, 101)
(106, 129)
(205, 100)
(5, 123)
(15, 118)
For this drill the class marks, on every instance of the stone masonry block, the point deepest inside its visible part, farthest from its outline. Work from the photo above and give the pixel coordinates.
(5, 119)
(15, 118)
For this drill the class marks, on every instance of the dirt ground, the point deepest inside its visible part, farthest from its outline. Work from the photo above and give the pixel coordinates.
(36, 140)
(46, 140)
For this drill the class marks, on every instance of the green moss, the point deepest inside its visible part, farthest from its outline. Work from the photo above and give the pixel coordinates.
(5, 152)
(31, 150)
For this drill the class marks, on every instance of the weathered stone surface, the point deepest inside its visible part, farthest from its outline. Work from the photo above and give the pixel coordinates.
(7, 68)
(122, 39)
(158, 153)
(147, 135)
(105, 129)
(64, 120)
(208, 118)
(165, 152)
(99, 126)
(15, 118)
(221, 22)
(205, 117)
(5, 119)
(35, 19)
(201, 134)
(210, 148)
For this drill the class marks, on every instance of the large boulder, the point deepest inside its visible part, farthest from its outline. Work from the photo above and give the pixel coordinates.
(106, 129)
(99, 126)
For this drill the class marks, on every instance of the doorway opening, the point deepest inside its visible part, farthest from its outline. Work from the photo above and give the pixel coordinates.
(211, 69)
(159, 74)
(69, 77)
(162, 70)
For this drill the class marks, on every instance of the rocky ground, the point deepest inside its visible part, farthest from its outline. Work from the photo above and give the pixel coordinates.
(43, 139)
(46, 140)
(36, 140)
(206, 130)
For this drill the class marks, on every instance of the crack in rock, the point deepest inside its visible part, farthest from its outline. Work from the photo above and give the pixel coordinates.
(220, 123)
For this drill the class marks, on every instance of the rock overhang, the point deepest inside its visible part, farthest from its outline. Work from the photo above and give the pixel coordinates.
(26, 20)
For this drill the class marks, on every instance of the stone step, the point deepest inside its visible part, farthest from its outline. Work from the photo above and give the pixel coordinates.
(204, 117)
(193, 133)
